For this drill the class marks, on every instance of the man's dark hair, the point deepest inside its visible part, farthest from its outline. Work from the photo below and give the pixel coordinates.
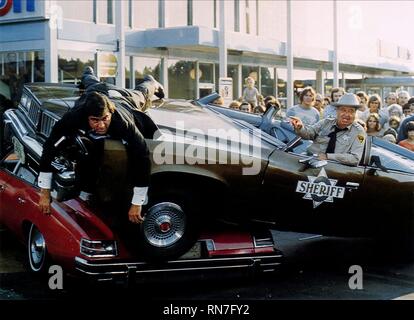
(391, 131)
(410, 126)
(407, 106)
(362, 94)
(97, 104)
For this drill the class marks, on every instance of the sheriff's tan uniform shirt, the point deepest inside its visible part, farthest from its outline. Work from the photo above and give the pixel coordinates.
(349, 143)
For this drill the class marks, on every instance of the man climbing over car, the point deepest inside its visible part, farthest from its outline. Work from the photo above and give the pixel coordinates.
(104, 114)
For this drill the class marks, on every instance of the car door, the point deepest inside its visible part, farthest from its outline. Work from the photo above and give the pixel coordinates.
(317, 200)
(389, 187)
(4, 201)
(16, 180)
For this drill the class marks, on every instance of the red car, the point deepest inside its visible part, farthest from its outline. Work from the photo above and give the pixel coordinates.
(75, 238)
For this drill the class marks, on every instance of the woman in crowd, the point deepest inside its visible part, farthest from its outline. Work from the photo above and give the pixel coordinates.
(403, 97)
(391, 98)
(395, 110)
(409, 142)
(235, 105)
(374, 106)
(374, 126)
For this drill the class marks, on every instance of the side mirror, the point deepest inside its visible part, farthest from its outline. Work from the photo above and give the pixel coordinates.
(375, 160)
(312, 162)
(315, 163)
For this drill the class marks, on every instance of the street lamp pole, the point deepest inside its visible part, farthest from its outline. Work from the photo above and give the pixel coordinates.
(335, 61)
(289, 56)
(120, 39)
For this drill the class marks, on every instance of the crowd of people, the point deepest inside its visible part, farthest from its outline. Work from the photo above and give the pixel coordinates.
(391, 119)
(251, 101)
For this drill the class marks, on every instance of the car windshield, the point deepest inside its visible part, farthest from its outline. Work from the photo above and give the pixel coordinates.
(392, 156)
(47, 92)
(270, 139)
(59, 106)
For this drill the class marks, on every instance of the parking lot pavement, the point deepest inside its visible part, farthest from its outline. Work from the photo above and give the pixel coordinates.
(11, 254)
(314, 268)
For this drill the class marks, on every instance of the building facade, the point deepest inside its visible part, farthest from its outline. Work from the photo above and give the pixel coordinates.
(178, 42)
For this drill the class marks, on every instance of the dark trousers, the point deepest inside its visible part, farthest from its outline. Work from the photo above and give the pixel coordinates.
(104, 174)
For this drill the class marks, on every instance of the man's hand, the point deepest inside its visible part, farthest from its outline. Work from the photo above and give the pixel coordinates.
(296, 123)
(322, 156)
(44, 201)
(134, 214)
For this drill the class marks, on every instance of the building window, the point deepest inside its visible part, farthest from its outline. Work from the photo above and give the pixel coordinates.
(230, 18)
(181, 79)
(233, 72)
(105, 11)
(18, 68)
(31, 66)
(71, 10)
(146, 66)
(72, 63)
(176, 13)
(128, 72)
(206, 72)
(232, 15)
(281, 86)
(204, 13)
(352, 82)
(206, 78)
(145, 14)
(248, 16)
(267, 81)
(302, 79)
(251, 71)
(39, 66)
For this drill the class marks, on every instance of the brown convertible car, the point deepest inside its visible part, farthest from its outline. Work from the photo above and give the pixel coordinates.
(208, 166)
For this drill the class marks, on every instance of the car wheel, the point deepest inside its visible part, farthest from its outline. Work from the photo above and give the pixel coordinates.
(170, 227)
(37, 250)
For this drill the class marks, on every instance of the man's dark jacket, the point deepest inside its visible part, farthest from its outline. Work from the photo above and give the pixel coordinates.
(127, 124)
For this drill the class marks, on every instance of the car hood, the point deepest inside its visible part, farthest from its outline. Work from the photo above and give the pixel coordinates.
(180, 117)
(168, 114)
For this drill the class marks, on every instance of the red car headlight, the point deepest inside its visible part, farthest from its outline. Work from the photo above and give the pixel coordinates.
(98, 248)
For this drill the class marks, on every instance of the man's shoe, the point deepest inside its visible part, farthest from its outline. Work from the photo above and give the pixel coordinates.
(88, 70)
(150, 87)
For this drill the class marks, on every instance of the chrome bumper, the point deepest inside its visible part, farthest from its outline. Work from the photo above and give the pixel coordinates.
(107, 270)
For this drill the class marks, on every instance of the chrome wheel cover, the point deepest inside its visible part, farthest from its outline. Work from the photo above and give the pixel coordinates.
(36, 248)
(164, 224)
